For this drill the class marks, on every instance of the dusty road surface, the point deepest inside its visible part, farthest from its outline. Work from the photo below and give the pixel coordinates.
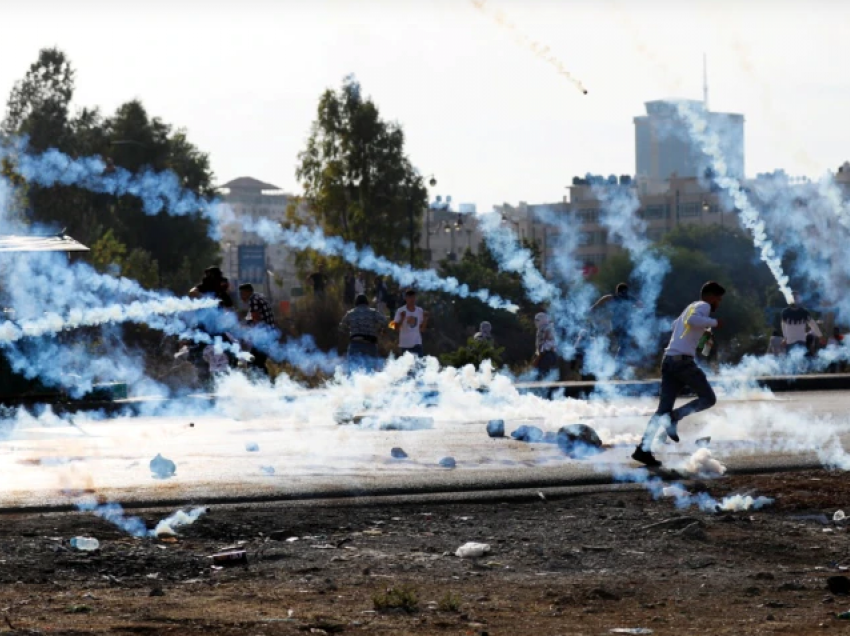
(581, 564)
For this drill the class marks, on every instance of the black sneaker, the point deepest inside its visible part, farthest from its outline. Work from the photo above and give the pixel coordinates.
(671, 431)
(646, 458)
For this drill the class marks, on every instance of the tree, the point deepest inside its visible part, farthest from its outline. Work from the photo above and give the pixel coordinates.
(357, 180)
(157, 248)
(38, 105)
(458, 316)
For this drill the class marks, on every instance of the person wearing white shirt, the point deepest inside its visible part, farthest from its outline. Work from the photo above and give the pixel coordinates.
(410, 321)
(797, 324)
(679, 369)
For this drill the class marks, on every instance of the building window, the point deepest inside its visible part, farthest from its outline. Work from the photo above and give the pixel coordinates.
(655, 233)
(654, 212)
(690, 209)
(586, 238)
(588, 216)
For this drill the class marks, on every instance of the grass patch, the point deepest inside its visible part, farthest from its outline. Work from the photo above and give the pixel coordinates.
(449, 603)
(401, 598)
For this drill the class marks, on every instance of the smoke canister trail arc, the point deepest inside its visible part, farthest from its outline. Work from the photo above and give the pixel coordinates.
(139, 312)
(709, 142)
(540, 50)
(162, 192)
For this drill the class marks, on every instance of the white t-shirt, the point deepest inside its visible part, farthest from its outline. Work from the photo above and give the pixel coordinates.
(409, 334)
(688, 329)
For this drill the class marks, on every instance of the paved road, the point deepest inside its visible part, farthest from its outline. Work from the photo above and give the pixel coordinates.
(49, 461)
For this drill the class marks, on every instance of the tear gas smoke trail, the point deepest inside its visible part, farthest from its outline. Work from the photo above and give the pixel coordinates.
(541, 51)
(135, 526)
(709, 143)
(137, 312)
(619, 215)
(313, 238)
(162, 192)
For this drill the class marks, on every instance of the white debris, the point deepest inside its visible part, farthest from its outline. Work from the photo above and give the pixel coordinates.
(472, 550)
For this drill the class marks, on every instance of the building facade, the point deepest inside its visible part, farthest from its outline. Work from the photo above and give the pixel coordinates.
(246, 257)
(448, 234)
(665, 147)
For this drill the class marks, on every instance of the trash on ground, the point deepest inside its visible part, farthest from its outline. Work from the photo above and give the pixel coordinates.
(162, 467)
(472, 550)
(233, 557)
(839, 516)
(631, 630)
(84, 544)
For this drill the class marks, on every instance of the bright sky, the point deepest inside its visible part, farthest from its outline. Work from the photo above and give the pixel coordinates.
(489, 119)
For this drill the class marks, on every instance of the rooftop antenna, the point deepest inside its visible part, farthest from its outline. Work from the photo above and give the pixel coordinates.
(704, 81)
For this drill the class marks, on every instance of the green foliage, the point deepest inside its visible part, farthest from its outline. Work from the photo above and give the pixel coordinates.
(697, 254)
(161, 249)
(456, 316)
(357, 180)
(475, 352)
(449, 602)
(404, 598)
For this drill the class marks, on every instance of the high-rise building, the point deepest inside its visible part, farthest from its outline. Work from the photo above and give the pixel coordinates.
(665, 147)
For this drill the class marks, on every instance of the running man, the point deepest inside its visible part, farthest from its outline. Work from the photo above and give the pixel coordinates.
(678, 370)
(411, 321)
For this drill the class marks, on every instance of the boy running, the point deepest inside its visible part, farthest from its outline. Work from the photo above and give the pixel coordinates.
(678, 370)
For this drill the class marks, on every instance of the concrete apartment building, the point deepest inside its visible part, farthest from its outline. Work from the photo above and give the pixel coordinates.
(246, 257)
(446, 234)
(668, 186)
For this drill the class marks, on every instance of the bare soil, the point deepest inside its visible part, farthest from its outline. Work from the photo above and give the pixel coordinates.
(584, 564)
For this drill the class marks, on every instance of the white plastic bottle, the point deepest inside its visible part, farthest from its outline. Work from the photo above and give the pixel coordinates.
(85, 544)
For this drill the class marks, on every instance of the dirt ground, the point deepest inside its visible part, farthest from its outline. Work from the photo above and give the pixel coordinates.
(584, 564)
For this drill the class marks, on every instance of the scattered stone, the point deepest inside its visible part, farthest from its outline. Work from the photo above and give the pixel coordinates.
(838, 585)
(448, 462)
(496, 428)
(764, 576)
(267, 470)
(674, 522)
(578, 440)
(252, 447)
(398, 453)
(157, 591)
(603, 595)
(530, 434)
(752, 591)
(693, 531)
(793, 586)
(162, 468)
(191, 425)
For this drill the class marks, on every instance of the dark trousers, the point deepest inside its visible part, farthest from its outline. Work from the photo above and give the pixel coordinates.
(362, 356)
(259, 361)
(676, 374)
(415, 350)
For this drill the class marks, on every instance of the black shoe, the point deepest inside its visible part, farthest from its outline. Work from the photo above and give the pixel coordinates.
(671, 431)
(646, 458)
